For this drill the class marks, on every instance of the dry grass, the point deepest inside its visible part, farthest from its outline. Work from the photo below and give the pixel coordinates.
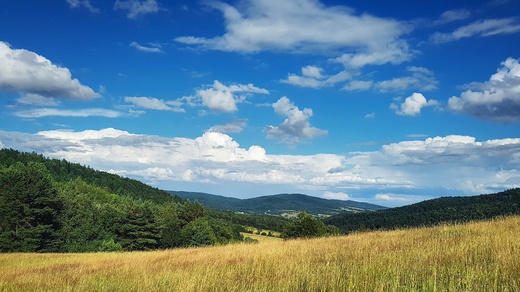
(262, 238)
(482, 256)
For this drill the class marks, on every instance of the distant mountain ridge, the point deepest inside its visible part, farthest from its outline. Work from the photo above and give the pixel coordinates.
(280, 204)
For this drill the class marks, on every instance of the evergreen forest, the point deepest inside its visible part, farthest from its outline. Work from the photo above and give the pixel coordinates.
(51, 205)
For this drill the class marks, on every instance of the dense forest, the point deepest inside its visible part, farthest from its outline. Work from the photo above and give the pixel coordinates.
(51, 205)
(432, 212)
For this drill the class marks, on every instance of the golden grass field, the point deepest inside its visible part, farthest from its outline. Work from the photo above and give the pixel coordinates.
(480, 256)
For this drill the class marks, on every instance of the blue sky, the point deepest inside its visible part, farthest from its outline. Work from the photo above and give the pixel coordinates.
(388, 102)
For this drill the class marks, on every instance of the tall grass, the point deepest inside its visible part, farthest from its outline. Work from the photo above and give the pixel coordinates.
(480, 256)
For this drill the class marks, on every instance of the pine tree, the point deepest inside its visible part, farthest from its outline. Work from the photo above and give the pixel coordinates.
(29, 206)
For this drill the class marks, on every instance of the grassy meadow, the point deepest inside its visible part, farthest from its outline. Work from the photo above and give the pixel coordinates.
(479, 256)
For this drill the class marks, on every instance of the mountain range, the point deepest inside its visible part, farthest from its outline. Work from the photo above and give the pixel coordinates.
(287, 205)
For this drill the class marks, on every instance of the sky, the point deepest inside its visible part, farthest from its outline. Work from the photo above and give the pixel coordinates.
(386, 102)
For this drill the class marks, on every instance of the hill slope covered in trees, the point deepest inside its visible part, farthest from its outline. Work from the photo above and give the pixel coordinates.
(54, 205)
(63, 171)
(432, 212)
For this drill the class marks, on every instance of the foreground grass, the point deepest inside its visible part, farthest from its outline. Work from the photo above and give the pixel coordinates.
(482, 256)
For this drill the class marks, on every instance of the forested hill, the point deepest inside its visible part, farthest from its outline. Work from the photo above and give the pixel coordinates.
(431, 212)
(49, 205)
(63, 171)
(279, 204)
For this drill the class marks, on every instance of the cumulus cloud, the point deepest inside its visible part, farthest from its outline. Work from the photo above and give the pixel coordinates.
(296, 126)
(220, 98)
(454, 164)
(84, 3)
(153, 48)
(481, 28)
(136, 8)
(497, 99)
(413, 104)
(152, 103)
(25, 71)
(336, 196)
(307, 26)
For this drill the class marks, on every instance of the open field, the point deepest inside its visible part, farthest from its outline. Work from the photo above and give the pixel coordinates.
(481, 256)
(262, 238)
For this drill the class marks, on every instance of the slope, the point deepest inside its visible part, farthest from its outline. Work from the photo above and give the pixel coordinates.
(432, 212)
(63, 171)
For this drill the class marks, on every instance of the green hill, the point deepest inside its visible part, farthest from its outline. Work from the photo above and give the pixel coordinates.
(51, 205)
(433, 212)
(64, 171)
(281, 204)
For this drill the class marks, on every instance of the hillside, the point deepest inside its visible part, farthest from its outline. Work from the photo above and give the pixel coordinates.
(432, 212)
(50, 205)
(64, 171)
(281, 204)
(477, 256)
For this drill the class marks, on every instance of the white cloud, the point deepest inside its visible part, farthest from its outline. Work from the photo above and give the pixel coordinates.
(220, 98)
(358, 85)
(296, 126)
(154, 48)
(497, 99)
(36, 100)
(420, 79)
(25, 71)
(452, 15)
(84, 3)
(336, 196)
(413, 104)
(235, 126)
(152, 103)
(136, 8)
(307, 26)
(455, 164)
(313, 77)
(313, 72)
(52, 112)
(392, 199)
(481, 28)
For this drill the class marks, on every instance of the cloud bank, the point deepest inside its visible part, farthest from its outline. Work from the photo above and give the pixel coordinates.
(459, 164)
